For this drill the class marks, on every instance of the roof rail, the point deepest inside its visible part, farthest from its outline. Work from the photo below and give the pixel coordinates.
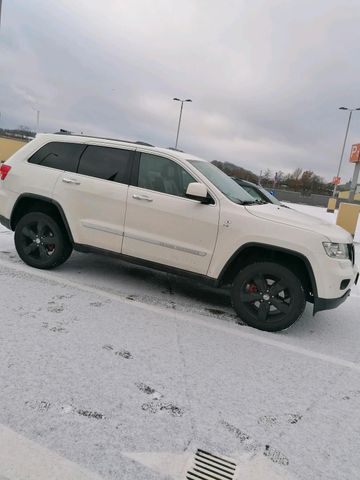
(67, 132)
(63, 132)
(176, 149)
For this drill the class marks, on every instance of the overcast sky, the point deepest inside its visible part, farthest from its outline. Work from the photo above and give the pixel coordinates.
(266, 76)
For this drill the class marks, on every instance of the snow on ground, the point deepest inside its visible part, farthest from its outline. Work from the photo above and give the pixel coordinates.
(111, 371)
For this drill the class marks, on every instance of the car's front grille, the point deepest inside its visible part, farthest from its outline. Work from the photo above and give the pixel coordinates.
(351, 252)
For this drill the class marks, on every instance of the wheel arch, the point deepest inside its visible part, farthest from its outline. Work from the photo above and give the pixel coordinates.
(255, 252)
(30, 202)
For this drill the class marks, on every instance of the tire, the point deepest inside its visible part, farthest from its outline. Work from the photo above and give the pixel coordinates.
(41, 241)
(268, 296)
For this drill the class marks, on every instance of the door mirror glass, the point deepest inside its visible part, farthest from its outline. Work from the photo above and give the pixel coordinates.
(197, 191)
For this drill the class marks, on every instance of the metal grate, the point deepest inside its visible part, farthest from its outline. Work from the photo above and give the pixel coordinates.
(211, 467)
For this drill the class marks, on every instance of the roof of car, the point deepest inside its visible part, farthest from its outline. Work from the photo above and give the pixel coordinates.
(144, 146)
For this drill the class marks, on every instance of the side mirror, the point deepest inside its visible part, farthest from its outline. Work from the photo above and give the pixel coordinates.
(197, 191)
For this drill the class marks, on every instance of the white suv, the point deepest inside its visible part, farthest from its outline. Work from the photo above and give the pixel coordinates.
(175, 212)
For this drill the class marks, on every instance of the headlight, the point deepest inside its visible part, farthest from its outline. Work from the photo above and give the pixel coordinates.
(336, 250)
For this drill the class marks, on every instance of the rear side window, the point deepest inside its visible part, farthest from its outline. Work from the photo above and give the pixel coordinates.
(106, 163)
(60, 155)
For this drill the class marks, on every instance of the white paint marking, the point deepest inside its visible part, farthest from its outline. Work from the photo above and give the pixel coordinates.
(264, 339)
(23, 459)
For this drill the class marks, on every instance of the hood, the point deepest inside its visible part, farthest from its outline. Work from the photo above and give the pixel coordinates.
(288, 216)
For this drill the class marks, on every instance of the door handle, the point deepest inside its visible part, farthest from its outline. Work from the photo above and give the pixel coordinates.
(71, 181)
(142, 197)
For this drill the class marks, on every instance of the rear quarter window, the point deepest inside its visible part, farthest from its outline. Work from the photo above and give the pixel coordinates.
(60, 155)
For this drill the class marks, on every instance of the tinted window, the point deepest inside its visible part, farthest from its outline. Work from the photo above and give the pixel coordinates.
(61, 155)
(107, 163)
(163, 175)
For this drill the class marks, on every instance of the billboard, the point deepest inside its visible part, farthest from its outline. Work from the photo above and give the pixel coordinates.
(355, 153)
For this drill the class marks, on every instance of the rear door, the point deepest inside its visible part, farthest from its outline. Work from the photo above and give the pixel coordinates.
(164, 226)
(94, 197)
(42, 170)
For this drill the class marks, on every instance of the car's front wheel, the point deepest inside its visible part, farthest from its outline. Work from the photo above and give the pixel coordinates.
(41, 241)
(268, 296)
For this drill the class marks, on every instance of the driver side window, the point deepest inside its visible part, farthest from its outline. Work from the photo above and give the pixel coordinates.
(163, 175)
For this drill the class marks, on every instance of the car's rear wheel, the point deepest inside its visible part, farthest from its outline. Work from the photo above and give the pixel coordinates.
(268, 296)
(41, 241)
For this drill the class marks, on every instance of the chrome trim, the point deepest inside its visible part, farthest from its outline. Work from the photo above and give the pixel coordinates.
(103, 229)
(167, 245)
(71, 181)
(142, 197)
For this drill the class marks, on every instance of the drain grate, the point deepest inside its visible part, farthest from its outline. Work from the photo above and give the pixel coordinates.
(207, 466)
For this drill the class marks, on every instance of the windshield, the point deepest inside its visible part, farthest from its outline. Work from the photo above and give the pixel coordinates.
(268, 195)
(223, 182)
(260, 193)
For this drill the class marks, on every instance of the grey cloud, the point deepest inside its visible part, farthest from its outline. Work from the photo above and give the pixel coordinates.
(266, 77)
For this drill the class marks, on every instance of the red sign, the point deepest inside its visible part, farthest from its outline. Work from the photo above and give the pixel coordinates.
(355, 153)
(336, 180)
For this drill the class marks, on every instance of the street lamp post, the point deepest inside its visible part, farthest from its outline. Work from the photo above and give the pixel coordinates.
(350, 110)
(37, 119)
(181, 109)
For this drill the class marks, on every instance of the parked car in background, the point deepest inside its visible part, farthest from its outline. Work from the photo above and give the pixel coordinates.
(257, 191)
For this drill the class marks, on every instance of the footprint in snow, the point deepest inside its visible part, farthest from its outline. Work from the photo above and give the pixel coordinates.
(124, 354)
(120, 353)
(251, 444)
(55, 308)
(245, 439)
(287, 418)
(39, 405)
(155, 407)
(275, 455)
(148, 390)
(58, 329)
(90, 414)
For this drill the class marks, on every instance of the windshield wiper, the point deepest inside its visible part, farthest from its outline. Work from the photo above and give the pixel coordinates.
(246, 202)
(252, 202)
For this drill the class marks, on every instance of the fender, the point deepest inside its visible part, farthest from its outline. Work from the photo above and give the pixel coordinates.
(46, 200)
(270, 247)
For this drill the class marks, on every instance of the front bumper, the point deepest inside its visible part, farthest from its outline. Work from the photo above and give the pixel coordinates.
(330, 303)
(5, 221)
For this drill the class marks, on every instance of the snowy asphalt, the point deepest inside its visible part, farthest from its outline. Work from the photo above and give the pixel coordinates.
(111, 371)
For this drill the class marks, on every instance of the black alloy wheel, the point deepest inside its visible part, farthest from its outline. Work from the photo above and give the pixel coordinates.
(41, 242)
(268, 296)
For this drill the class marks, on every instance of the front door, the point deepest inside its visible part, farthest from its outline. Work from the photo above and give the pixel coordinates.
(164, 226)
